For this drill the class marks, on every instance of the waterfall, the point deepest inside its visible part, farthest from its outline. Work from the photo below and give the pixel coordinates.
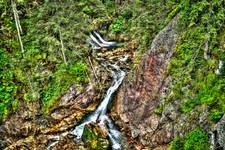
(100, 113)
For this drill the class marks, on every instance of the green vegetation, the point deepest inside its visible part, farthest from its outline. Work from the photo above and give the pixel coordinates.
(177, 144)
(194, 140)
(92, 138)
(202, 35)
(62, 79)
(7, 86)
(216, 115)
(52, 30)
(41, 72)
(144, 19)
(117, 25)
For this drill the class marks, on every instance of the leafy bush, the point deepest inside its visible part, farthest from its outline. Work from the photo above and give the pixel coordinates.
(216, 115)
(176, 144)
(7, 86)
(89, 10)
(195, 81)
(194, 140)
(117, 25)
(79, 71)
(92, 138)
(61, 80)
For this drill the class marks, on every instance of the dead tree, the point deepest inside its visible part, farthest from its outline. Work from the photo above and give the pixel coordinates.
(18, 26)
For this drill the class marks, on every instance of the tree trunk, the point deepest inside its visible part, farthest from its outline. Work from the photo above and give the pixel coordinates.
(18, 27)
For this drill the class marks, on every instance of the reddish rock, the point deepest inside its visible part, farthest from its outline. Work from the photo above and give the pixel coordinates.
(137, 100)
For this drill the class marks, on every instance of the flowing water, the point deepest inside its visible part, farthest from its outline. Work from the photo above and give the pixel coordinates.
(99, 115)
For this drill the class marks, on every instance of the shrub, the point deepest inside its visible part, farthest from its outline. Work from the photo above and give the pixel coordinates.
(79, 71)
(7, 86)
(216, 115)
(61, 80)
(176, 144)
(117, 25)
(194, 78)
(88, 10)
(196, 140)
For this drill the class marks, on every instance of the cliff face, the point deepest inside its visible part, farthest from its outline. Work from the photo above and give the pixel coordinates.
(175, 91)
(34, 130)
(137, 100)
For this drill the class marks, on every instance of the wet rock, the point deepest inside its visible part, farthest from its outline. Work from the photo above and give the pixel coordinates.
(137, 100)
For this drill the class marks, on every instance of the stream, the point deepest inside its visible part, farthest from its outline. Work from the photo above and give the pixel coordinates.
(99, 115)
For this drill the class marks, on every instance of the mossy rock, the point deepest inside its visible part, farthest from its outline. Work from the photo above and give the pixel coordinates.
(94, 138)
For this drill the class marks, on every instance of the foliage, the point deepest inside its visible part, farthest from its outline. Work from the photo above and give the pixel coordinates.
(144, 19)
(195, 82)
(7, 86)
(40, 73)
(61, 80)
(79, 71)
(176, 144)
(194, 140)
(216, 115)
(117, 25)
(159, 109)
(91, 137)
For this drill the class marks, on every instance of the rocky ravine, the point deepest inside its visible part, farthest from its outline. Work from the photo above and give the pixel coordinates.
(138, 99)
(33, 130)
(28, 128)
(134, 108)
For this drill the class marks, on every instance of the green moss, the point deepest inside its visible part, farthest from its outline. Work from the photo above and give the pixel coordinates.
(176, 144)
(92, 138)
(195, 81)
(159, 109)
(194, 140)
(61, 80)
(88, 134)
(79, 71)
(88, 10)
(31, 96)
(216, 115)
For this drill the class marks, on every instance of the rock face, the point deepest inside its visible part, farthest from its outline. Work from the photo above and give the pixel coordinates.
(31, 130)
(218, 135)
(137, 100)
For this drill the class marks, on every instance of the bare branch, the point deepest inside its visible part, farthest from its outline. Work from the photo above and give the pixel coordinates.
(62, 46)
(18, 27)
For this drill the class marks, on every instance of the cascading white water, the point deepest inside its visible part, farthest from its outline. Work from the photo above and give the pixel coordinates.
(100, 113)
